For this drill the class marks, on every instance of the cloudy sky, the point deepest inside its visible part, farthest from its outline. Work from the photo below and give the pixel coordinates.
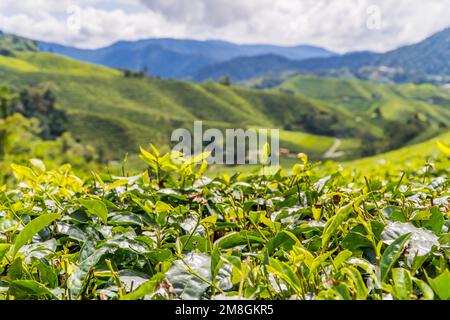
(339, 25)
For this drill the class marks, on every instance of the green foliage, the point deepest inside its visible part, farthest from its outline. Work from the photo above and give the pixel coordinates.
(394, 115)
(376, 228)
(31, 229)
(98, 101)
(40, 103)
(134, 74)
(440, 285)
(225, 81)
(21, 141)
(392, 253)
(171, 233)
(96, 207)
(6, 99)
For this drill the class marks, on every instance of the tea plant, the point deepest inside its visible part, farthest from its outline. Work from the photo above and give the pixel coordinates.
(172, 233)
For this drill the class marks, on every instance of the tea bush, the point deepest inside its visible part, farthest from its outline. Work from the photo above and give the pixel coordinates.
(172, 233)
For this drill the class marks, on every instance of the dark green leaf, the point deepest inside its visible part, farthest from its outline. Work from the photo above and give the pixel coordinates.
(32, 228)
(25, 289)
(391, 254)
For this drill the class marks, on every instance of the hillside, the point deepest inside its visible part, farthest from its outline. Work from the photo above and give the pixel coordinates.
(172, 58)
(128, 112)
(125, 112)
(303, 235)
(424, 62)
(413, 157)
(11, 43)
(425, 107)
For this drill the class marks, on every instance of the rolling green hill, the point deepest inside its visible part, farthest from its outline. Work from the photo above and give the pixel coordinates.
(11, 43)
(117, 114)
(410, 157)
(426, 107)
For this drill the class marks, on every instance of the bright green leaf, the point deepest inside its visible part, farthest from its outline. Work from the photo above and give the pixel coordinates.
(33, 227)
(441, 285)
(96, 207)
(391, 254)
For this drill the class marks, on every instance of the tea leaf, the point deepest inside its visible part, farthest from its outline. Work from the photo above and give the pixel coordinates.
(443, 148)
(265, 154)
(96, 207)
(147, 288)
(32, 228)
(391, 254)
(440, 285)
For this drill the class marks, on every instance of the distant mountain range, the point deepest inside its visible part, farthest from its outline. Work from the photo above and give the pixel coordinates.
(427, 61)
(171, 58)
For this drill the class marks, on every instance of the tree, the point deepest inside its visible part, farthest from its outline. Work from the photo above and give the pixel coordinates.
(40, 103)
(127, 73)
(225, 81)
(6, 98)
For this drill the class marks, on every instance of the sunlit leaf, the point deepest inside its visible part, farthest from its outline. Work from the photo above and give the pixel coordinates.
(32, 228)
(23, 289)
(402, 283)
(443, 148)
(145, 289)
(440, 285)
(265, 154)
(391, 254)
(96, 207)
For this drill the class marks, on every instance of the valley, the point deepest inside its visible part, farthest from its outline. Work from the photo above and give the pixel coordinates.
(311, 111)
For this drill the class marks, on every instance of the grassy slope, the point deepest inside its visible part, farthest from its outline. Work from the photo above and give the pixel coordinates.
(394, 102)
(117, 114)
(410, 157)
(313, 144)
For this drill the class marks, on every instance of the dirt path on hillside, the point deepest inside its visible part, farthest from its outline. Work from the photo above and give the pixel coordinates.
(332, 152)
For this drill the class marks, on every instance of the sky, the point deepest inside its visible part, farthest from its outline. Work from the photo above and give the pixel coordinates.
(338, 25)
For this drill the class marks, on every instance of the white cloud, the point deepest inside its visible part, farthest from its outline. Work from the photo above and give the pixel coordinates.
(340, 25)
